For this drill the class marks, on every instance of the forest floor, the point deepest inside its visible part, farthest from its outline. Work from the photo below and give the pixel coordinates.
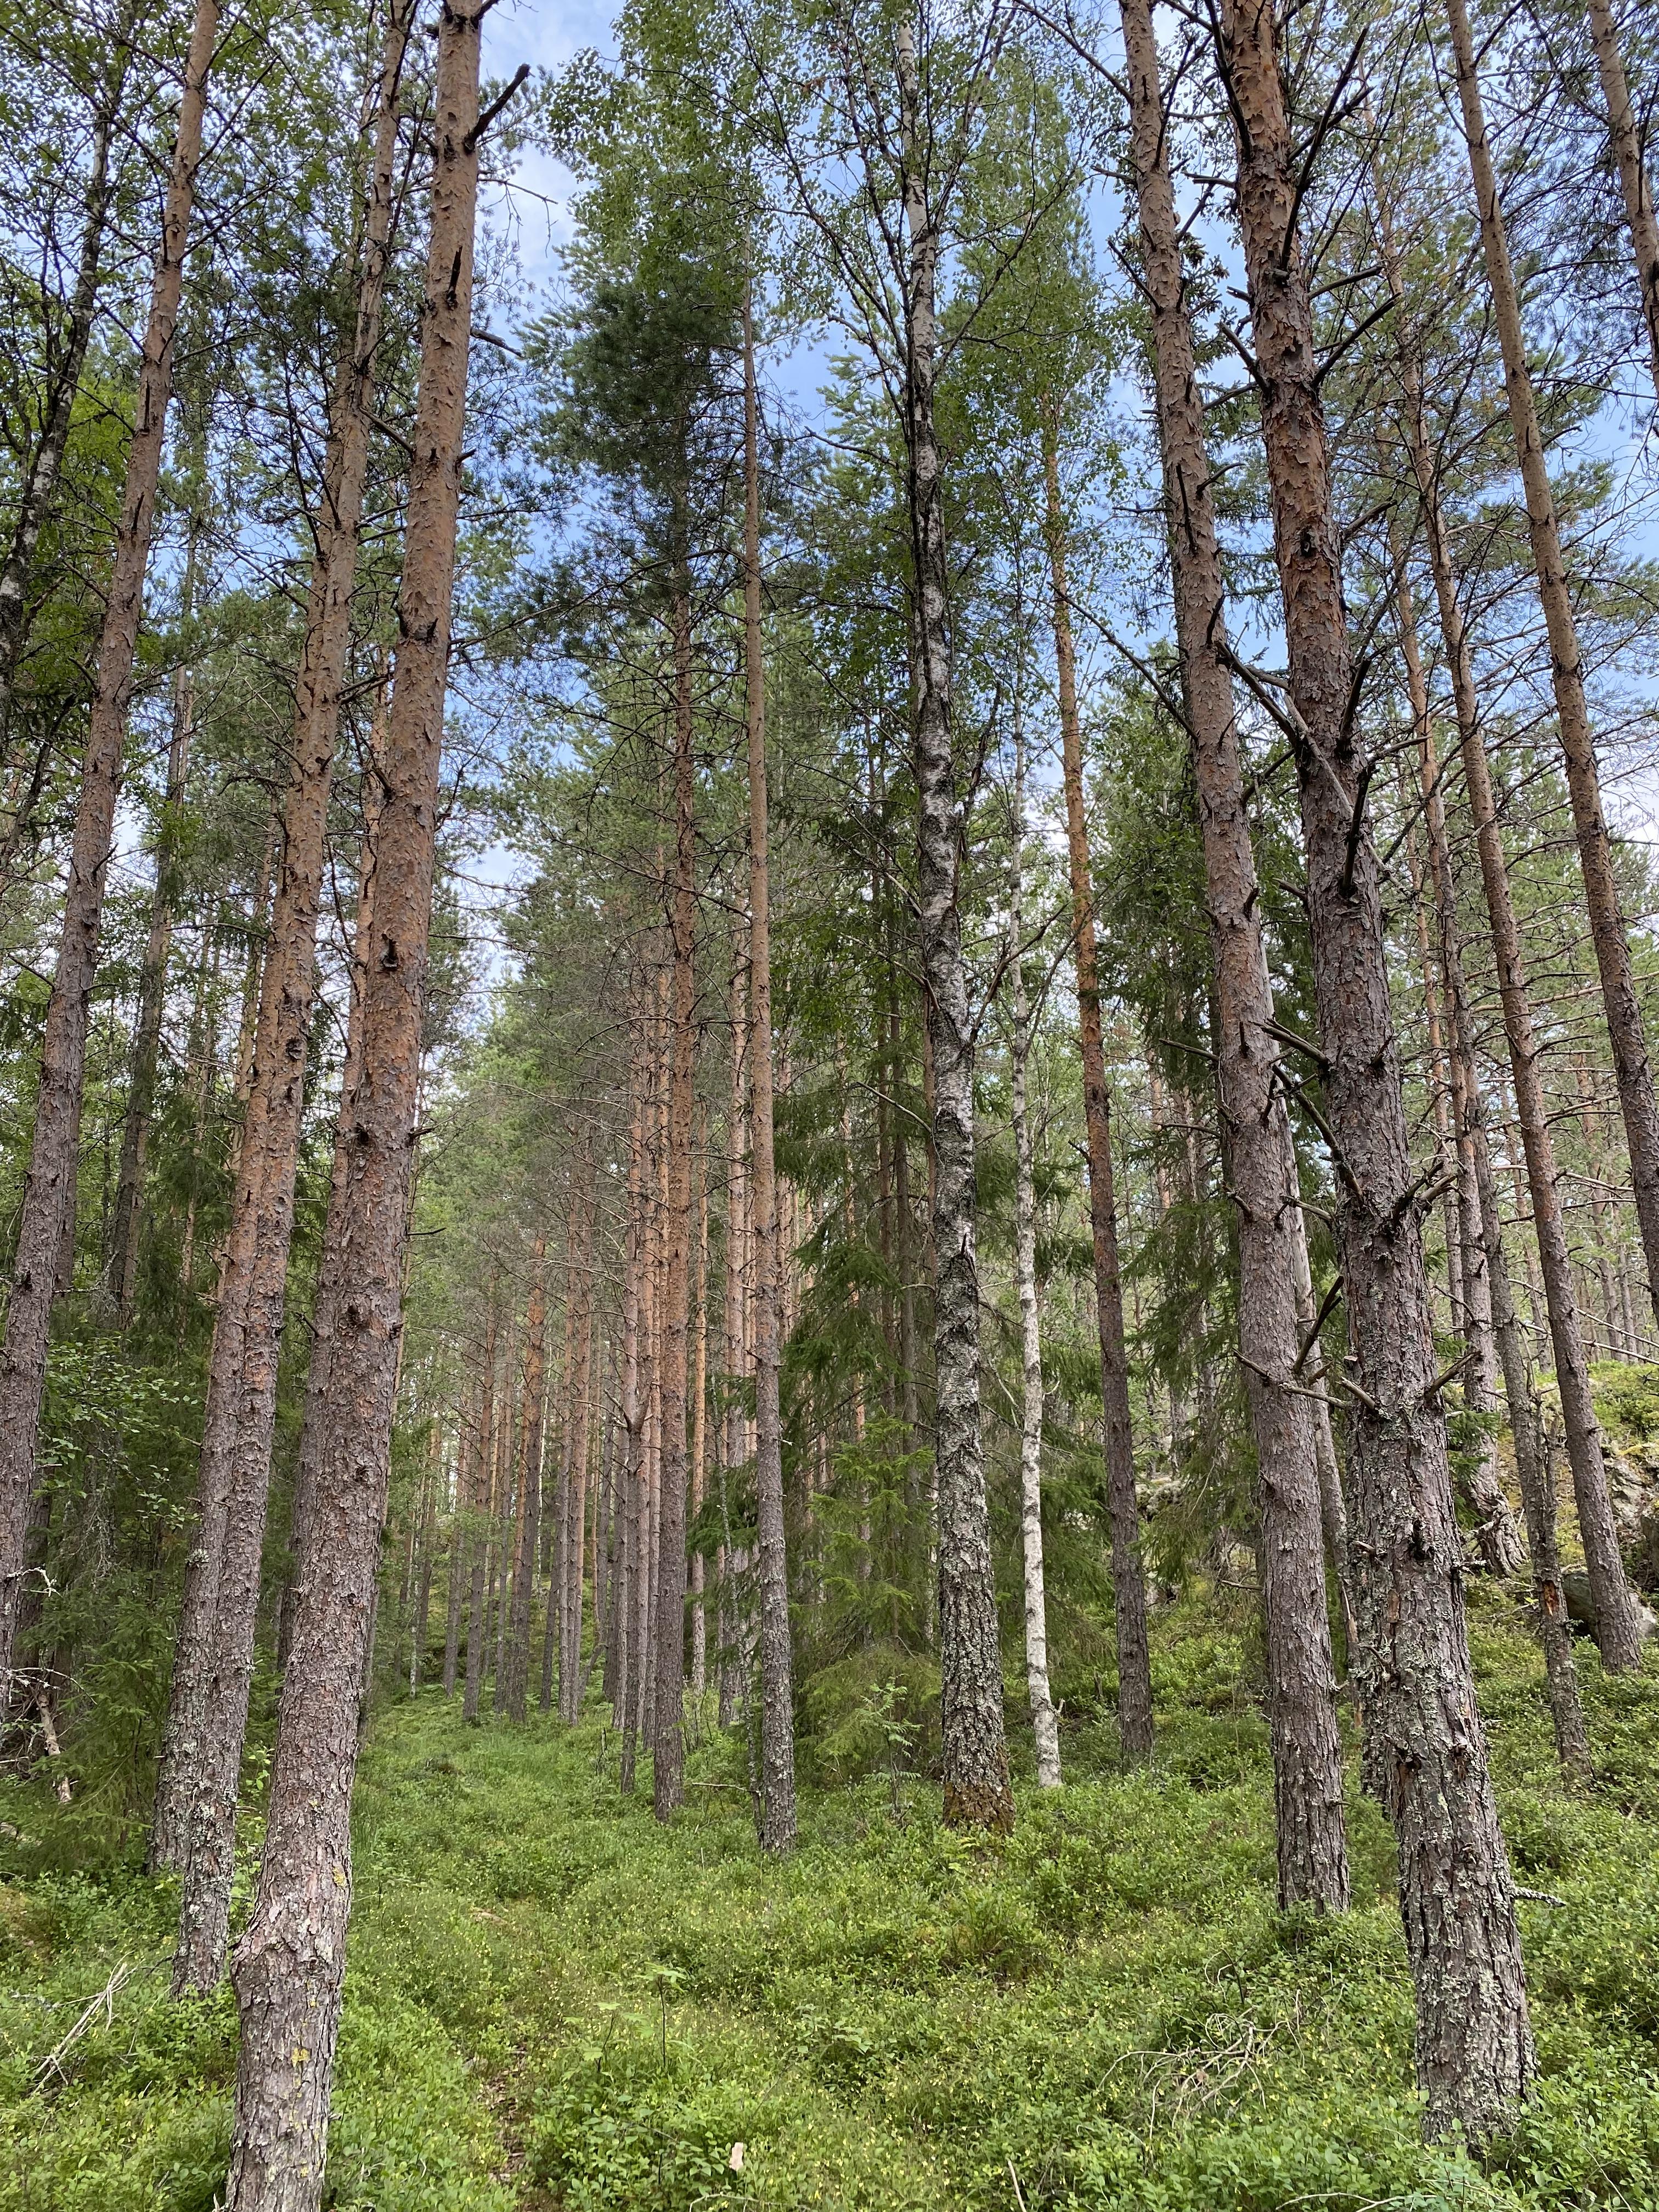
(554, 2003)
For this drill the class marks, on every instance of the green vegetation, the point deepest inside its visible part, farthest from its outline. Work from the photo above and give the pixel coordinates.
(553, 2003)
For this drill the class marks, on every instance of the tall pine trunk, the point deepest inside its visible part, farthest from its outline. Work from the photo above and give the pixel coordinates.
(1307, 1751)
(213, 1671)
(1135, 1667)
(1474, 2049)
(777, 1662)
(44, 465)
(1624, 142)
(668, 1762)
(289, 1965)
(152, 998)
(1624, 1013)
(1617, 1625)
(568, 1572)
(527, 1525)
(48, 1204)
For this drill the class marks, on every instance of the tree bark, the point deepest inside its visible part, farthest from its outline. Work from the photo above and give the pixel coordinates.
(778, 1819)
(527, 1524)
(289, 1965)
(977, 1792)
(1313, 1862)
(1474, 2049)
(152, 998)
(577, 1437)
(1045, 1726)
(1135, 1667)
(1624, 142)
(699, 1431)
(1624, 1013)
(236, 1468)
(48, 1205)
(668, 1762)
(45, 463)
(1617, 1625)
(1499, 1538)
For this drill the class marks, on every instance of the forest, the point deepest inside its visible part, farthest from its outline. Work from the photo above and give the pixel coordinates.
(829, 1163)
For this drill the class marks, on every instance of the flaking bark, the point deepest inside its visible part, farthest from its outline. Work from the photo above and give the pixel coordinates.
(289, 1965)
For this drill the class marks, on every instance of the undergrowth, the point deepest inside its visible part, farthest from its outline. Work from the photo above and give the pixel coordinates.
(553, 2003)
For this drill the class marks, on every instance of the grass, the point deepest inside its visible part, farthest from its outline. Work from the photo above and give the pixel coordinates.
(554, 2003)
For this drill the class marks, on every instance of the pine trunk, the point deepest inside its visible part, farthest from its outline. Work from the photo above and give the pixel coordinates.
(289, 1965)
(1624, 1013)
(48, 1203)
(244, 1367)
(527, 1525)
(147, 1034)
(1474, 2049)
(1313, 1863)
(1617, 1625)
(778, 1821)
(46, 465)
(1624, 140)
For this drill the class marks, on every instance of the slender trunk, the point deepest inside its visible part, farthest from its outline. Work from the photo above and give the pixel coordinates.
(1624, 1013)
(1313, 1864)
(777, 1662)
(1618, 1630)
(1500, 1540)
(419, 1629)
(636, 1391)
(1624, 142)
(289, 1965)
(1332, 1506)
(45, 463)
(975, 1753)
(1045, 1726)
(1134, 1672)
(700, 1430)
(527, 1526)
(152, 995)
(48, 1206)
(1590, 1122)
(1474, 2049)
(569, 1571)
(732, 1452)
(668, 1765)
(213, 1673)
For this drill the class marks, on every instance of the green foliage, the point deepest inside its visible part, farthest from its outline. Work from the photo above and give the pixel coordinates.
(552, 2000)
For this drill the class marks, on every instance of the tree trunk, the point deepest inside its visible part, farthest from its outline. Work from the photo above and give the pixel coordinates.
(570, 1572)
(1475, 2051)
(1313, 1863)
(1332, 1506)
(732, 1692)
(255, 1264)
(636, 1393)
(289, 1965)
(484, 1483)
(1045, 1726)
(1134, 1673)
(48, 1204)
(152, 997)
(977, 1792)
(777, 1662)
(668, 1764)
(699, 1431)
(1616, 1626)
(1624, 141)
(1624, 1014)
(46, 464)
(1499, 1538)
(527, 1526)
